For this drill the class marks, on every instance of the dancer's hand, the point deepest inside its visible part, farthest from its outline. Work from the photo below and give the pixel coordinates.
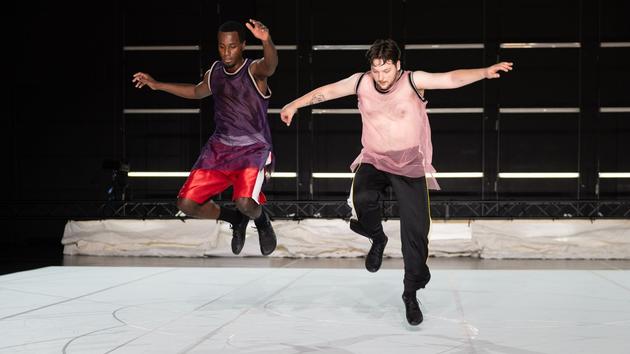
(492, 72)
(259, 30)
(142, 79)
(287, 114)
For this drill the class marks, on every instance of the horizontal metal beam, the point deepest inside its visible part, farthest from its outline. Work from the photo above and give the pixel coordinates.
(444, 46)
(145, 48)
(341, 47)
(177, 110)
(615, 44)
(335, 111)
(436, 46)
(429, 110)
(161, 111)
(540, 45)
(540, 110)
(614, 109)
(465, 110)
(278, 47)
(454, 110)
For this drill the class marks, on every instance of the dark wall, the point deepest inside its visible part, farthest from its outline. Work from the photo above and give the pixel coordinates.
(65, 97)
(60, 120)
(72, 82)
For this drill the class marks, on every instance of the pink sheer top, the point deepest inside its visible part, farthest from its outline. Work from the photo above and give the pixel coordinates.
(396, 135)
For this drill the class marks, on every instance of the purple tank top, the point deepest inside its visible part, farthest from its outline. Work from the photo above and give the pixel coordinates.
(242, 137)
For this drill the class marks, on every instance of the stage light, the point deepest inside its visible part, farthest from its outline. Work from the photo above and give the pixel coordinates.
(151, 174)
(539, 175)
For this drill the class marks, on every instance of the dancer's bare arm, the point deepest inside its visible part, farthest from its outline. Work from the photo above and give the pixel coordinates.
(328, 92)
(191, 91)
(266, 66)
(457, 78)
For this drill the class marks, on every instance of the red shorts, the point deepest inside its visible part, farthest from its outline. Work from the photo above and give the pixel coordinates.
(203, 184)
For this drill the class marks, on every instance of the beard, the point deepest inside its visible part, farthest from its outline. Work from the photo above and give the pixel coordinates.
(390, 84)
(385, 88)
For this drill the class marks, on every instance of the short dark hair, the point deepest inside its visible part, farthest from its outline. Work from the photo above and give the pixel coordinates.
(384, 49)
(233, 26)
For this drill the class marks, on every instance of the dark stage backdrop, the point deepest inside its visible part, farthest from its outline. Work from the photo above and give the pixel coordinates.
(72, 105)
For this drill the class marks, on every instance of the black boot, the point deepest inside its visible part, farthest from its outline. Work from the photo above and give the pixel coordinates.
(239, 231)
(266, 235)
(412, 308)
(238, 222)
(374, 257)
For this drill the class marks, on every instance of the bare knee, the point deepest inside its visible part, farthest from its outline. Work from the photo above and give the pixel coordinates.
(248, 207)
(187, 206)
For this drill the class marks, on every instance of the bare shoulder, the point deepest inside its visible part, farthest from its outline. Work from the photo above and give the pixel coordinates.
(420, 79)
(354, 78)
(257, 69)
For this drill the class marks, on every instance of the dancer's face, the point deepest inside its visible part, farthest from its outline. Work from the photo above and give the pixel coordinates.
(230, 49)
(384, 73)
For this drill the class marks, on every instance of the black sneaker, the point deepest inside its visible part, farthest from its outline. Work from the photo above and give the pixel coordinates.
(267, 239)
(238, 235)
(266, 235)
(374, 257)
(412, 309)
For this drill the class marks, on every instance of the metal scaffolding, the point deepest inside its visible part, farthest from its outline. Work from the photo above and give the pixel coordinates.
(297, 210)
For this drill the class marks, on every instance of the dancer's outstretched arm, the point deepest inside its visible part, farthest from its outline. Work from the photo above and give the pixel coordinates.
(457, 78)
(191, 91)
(328, 92)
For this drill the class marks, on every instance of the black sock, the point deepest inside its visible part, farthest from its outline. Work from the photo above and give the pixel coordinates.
(262, 221)
(230, 215)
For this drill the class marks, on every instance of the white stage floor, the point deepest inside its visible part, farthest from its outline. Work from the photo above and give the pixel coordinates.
(304, 310)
